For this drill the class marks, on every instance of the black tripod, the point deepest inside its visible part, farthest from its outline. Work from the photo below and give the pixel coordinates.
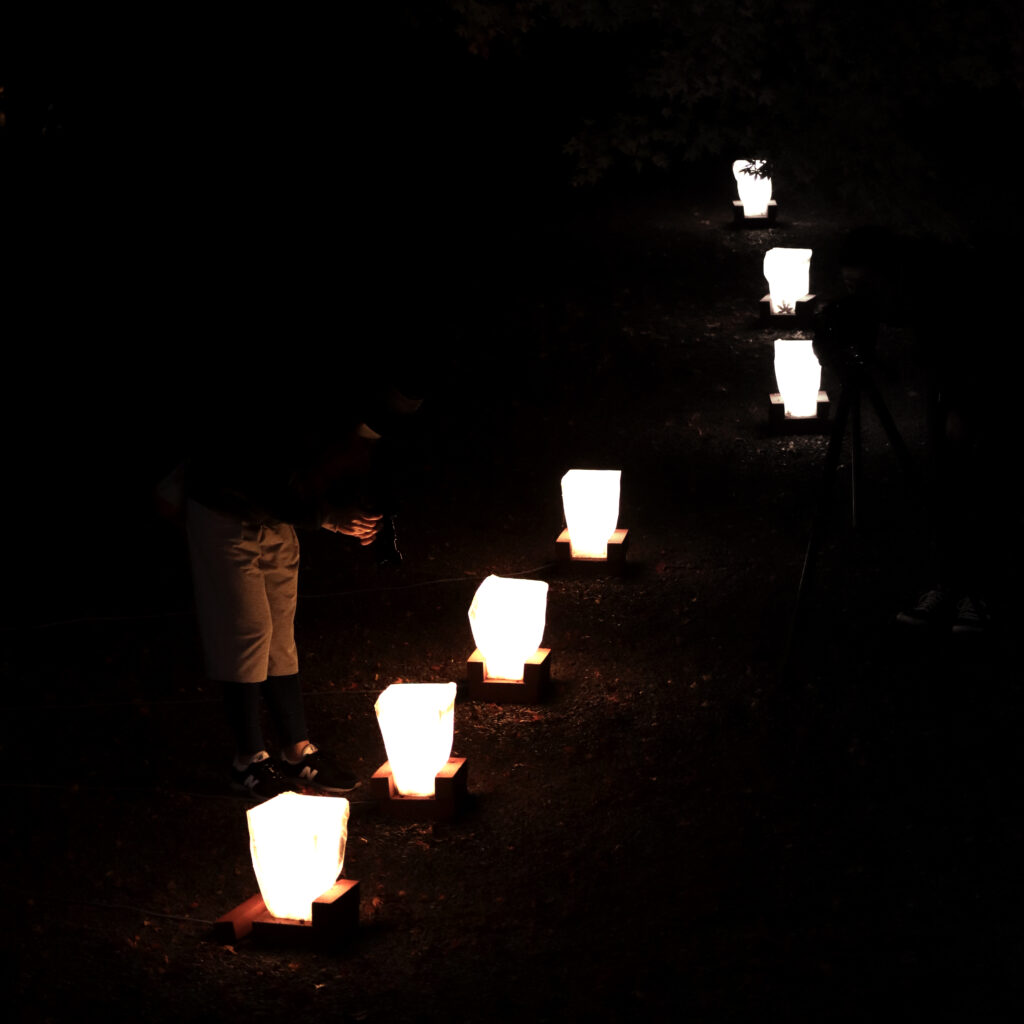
(856, 383)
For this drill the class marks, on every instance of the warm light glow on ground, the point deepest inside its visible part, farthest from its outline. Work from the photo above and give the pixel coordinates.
(798, 373)
(417, 721)
(788, 272)
(590, 498)
(507, 618)
(298, 850)
(755, 192)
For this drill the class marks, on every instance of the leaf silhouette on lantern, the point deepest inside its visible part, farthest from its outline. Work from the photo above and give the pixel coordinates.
(757, 169)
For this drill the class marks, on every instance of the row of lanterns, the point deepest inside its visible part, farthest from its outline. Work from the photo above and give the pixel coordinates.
(787, 272)
(297, 842)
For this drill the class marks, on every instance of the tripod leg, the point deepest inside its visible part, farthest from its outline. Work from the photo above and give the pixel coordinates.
(850, 395)
(899, 446)
(855, 463)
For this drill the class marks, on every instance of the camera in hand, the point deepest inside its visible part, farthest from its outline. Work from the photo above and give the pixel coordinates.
(385, 544)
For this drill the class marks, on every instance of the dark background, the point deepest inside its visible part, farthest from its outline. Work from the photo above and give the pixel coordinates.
(529, 206)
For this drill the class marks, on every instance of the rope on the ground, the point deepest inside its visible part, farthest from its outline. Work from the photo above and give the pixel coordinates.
(148, 616)
(131, 908)
(142, 702)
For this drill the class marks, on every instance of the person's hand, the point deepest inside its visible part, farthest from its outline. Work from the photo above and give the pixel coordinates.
(354, 523)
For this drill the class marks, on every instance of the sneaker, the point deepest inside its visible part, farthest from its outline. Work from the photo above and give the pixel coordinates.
(261, 778)
(972, 617)
(317, 773)
(934, 608)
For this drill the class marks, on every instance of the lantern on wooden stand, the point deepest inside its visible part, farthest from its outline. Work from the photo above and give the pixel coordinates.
(798, 374)
(590, 500)
(755, 206)
(420, 780)
(788, 272)
(297, 844)
(507, 618)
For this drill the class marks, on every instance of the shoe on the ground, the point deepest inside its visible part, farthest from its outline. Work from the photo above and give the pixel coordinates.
(316, 772)
(934, 609)
(261, 779)
(972, 617)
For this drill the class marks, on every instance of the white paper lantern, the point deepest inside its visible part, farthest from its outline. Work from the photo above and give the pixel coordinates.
(755, 192)
(798, 373)
(590, 498)
(298, 849)
(417, 721)
(788, 272)
(507, 619)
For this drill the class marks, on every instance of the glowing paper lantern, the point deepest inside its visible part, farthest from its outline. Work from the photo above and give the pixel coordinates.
(298, 849)
(507, 619)
(590, 498)
(417, 721)
(798, 373)
(788, 272)
(755, 191)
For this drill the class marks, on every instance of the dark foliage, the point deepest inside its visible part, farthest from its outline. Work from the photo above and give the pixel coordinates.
(886, 102)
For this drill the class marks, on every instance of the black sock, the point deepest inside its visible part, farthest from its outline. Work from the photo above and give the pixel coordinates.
(242, 707)
(283, 695)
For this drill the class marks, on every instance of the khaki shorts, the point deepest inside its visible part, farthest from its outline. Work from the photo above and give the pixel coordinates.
(246, 585)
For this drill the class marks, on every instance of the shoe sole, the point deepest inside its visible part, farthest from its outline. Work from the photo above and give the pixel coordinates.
(241, 789)
(314, 789)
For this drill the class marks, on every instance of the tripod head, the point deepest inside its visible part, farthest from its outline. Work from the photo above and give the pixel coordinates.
(846, 333)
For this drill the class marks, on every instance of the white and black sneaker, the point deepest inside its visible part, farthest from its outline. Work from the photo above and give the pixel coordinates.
(933, 610)
(972, 617)
(261, 778)
(316, 773)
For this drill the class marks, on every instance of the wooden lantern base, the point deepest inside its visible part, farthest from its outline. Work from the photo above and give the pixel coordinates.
(451, 794)
(741, 219)
(800, 319)
(335, 918)
(614, 562)
(528, 690)
(781, 422)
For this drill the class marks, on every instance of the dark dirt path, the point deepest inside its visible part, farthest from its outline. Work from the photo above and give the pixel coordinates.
(679, 833)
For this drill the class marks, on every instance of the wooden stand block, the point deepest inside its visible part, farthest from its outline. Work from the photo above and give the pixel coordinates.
(451, 794)
(237, 923)
(335, 918)
(615, 563)
(800, 319)
(740, 217)
(528, 690)
(781, 422)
